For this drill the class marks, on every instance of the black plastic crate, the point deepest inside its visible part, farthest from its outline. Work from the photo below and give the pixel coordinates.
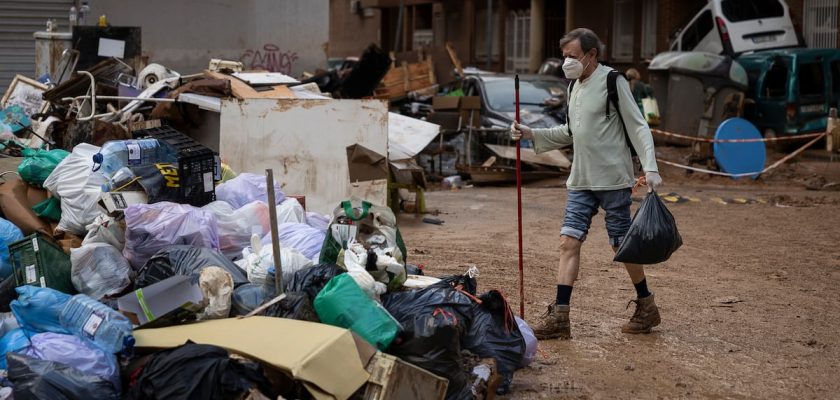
(197, 165)
(40, 262)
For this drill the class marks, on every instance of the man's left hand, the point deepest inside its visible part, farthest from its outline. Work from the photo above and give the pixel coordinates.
(653, 180)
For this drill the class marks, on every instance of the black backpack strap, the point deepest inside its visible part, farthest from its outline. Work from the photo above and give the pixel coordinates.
(612, 97)
(568, 102)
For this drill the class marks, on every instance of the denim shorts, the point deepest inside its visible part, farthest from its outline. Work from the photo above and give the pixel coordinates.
(582, 205)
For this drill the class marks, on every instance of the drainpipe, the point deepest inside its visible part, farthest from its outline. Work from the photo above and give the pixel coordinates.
(489, 36)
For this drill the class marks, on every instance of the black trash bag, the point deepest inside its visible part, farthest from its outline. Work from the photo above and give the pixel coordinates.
(313, 279)
(467, 283)
(495, 334)
(296, 305)
(412, 269)
(186, 260)
(653, 235)
(198, 371)
(7, 293)
(434, 320)
(49, 380)
(154, 183)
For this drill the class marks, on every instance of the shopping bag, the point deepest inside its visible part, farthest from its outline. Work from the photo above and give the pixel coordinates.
(653, 234)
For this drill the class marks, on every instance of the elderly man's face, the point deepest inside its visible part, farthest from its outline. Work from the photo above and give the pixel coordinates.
(574, 50)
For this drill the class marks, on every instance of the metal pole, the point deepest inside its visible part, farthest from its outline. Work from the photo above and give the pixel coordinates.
(489, 37)
(397, 45)
(519, 207)
(275, 234)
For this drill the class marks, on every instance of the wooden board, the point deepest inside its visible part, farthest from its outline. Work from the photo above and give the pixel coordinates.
(242, 90)
(553, 158)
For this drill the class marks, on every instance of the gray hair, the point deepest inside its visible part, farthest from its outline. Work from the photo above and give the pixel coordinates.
(588, 40)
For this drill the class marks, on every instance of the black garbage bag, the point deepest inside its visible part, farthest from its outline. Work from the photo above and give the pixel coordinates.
(186, 260)
(198, 371)
(653, 235)
(495, 334)
(434, 320)
(296, 305)
(7, 293)
(49, 380)
(313, 279)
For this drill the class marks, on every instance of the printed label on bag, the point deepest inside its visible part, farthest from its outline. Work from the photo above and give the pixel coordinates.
(43, 282)
(134, 153)
(31, 274)
(208, 182)
(119, 201)
(92, 325)
(35, 244)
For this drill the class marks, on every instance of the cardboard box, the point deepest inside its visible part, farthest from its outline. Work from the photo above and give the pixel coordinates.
(471, 104)
(116, 202)
(170, 301)
(446, 102)
(325, 358)
(392, 378)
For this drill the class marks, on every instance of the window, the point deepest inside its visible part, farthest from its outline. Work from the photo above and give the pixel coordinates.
(820, 23)
(532, 94)
(518, 56)
(481, 37)
(811, 79)
(775, 82)
(835, 75)
(745, 10)
(696, 32)
(649, 28)
(623, 27)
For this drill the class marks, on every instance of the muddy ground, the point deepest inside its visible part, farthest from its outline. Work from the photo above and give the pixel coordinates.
(774, 252)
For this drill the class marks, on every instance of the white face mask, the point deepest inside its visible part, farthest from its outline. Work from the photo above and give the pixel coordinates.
(573, 68)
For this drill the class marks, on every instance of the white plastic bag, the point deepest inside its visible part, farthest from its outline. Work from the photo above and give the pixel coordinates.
(78, 188)
(290, 210)
(105, 229)
(246, 188)
(217, 287)
(237, 225)
(99, 270)
(317, 221)
(301, 237)
(257, 263)
(355, 260)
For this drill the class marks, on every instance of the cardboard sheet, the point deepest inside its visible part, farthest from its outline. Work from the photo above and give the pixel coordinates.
(365, 164)
(324, 357)
(408, 136)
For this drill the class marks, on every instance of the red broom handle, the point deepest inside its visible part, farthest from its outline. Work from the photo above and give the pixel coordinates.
(519, 207)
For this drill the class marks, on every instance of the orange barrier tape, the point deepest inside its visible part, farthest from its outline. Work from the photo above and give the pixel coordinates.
(707, 140)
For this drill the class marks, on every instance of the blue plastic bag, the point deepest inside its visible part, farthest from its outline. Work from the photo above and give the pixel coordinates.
(9, 233)
(12, 342)
(38, 309)
(75, 352)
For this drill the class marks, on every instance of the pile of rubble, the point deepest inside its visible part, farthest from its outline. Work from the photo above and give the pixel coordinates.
(136, 264)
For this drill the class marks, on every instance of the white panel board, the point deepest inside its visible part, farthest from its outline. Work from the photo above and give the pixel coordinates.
(305, 142)
(408, 136)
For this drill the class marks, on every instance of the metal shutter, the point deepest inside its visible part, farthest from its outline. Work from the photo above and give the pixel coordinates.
(19, 19)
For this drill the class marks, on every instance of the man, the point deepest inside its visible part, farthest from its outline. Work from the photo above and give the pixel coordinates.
(601, 176)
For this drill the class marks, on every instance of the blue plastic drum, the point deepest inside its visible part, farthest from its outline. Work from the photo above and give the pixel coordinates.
(739, 158)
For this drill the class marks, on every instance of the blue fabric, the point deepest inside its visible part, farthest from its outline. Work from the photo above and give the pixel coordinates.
(9, 233)
(582, 205)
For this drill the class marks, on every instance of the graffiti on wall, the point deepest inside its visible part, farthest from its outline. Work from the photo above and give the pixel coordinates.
(269, 58)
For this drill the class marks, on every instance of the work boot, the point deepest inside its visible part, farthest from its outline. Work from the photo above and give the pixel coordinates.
(555, 323)
(645, 317)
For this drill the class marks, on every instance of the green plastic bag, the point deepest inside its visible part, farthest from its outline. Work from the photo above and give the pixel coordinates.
(38, 164)
(49, 209)
(342, 303)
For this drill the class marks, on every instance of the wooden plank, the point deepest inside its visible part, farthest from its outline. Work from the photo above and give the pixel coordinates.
(454, 57)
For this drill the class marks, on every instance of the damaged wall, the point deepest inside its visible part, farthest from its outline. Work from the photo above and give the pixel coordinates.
(282, 36)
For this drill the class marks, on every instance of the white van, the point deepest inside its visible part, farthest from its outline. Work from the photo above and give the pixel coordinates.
(733, 27)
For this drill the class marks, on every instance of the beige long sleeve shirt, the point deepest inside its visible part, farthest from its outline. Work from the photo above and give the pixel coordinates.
(602, 159)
